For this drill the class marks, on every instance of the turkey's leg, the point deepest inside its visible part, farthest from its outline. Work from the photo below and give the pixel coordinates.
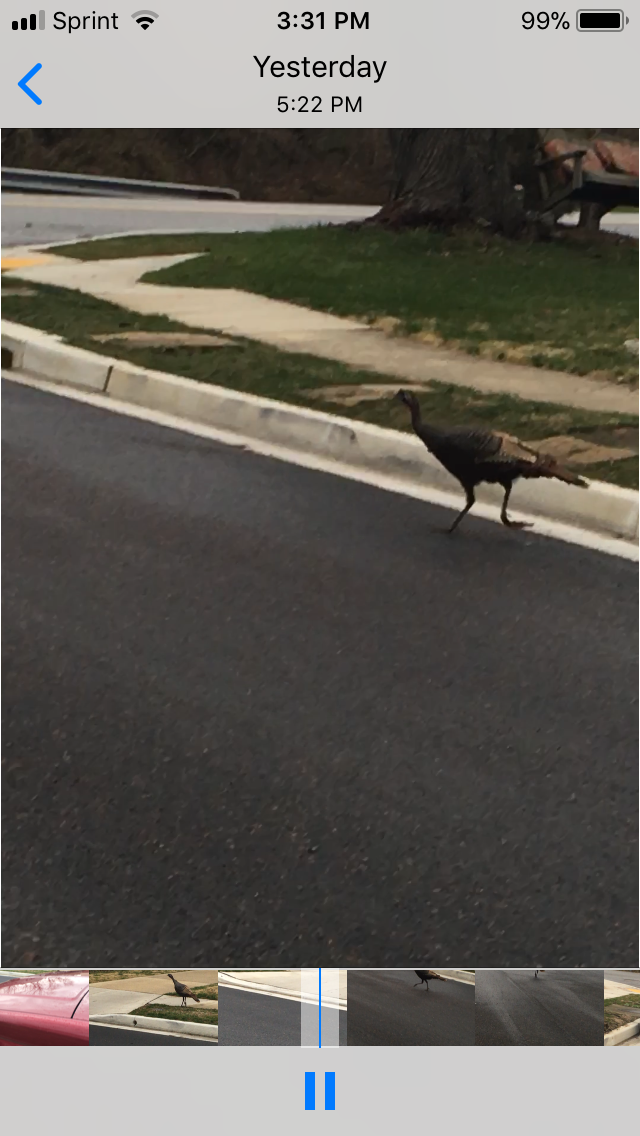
(503, 515)
(471, 500)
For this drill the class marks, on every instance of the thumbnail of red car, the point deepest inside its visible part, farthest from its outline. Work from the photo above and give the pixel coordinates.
(45, 1009)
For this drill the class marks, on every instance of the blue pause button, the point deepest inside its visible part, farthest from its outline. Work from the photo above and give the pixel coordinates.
(329, 1092)
(310, 1092)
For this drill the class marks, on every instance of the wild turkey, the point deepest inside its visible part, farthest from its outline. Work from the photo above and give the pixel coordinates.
(475, 455)
(183, 991)
(428, 976)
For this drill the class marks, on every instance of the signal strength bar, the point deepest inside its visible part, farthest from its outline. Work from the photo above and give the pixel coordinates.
(29, 23)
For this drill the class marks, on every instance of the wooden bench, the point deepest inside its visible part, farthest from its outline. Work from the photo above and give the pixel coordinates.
(596, 178)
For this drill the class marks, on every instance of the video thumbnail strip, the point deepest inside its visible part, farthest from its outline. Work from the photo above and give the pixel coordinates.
(321, 1008)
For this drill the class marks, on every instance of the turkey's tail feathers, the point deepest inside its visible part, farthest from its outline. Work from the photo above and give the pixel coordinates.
(563, 474)
(549, 467)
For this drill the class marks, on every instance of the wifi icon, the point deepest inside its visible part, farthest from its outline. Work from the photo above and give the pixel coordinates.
(144, 18)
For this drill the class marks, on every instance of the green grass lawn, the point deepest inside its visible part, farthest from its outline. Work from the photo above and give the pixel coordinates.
(210, 991)
(567, 304)
(264, 370)
(612, 1018)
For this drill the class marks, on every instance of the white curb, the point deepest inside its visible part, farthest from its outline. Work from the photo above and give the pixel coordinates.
(623, 1033)
(602, 509)
(233, 983)
(457, 975)
(52, 361)
(161, 1025)
(16, 337)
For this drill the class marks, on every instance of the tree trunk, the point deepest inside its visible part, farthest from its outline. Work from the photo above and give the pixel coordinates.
(591, 213)
(453, 177)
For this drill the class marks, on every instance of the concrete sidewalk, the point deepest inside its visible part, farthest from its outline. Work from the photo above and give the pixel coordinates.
(617, 990)
(159, 983)
(466, 976)
(284, 979)
(116, 1001)
(290, 327)
(278, 983)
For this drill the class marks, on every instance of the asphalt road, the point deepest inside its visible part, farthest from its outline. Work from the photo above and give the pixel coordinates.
(254, 711)
(34, 219)
(562, 1007)
(385, 1008)
(29, 219)
(116, 1035)
(246, 1018)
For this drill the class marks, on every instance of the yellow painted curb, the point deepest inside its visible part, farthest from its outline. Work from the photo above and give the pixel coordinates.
(24, 261)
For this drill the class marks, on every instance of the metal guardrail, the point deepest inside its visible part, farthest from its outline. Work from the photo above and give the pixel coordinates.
(44, 181)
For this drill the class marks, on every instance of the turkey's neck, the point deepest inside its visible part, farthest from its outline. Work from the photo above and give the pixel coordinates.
(416, 420)
(429, 434)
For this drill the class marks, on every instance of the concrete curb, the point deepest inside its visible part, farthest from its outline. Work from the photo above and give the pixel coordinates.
(603, 509)
(279, 992)
(457, 976)
(161, 1025)
(623, 1033)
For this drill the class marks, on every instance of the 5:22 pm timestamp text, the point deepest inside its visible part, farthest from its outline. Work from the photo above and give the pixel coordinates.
(313, 104)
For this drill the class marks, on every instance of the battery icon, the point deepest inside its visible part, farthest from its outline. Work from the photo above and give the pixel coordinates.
(601, 20)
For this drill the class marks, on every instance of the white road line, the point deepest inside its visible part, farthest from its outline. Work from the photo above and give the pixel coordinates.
(566, 533)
